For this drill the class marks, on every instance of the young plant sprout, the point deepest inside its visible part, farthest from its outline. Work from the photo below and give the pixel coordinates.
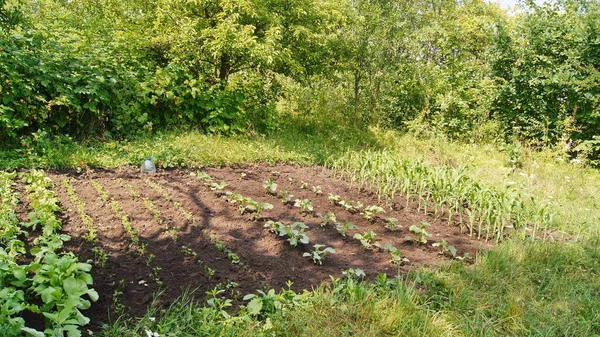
(270, 186)
(351, 206)
(391, 224)
(397, 258)
(344, 227)
(204, 176)
(371, 211)
(274, 226)
(420, 232)
(328, 218)
(354, 273)
(285, 196)
(295, 233)
(303, 184)
(218, 188)
(334, 198)
(317, 189)
(318, 253)
(444, 247)
(305, 205)
(367, 240)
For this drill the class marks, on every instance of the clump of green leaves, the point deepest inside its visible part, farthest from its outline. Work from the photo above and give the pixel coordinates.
(318, 253)
(247, 204)
(218, 188)
(397, 258)
(328, 218)
(367, 240)
(334, 198)
(444, 247)
(351, 206)
(344, 227)
(420, 231)
(317, 189)
(295, 233)
(270, 186)
(391, 224)
(370, 212)
(285, 196)
(305, 205)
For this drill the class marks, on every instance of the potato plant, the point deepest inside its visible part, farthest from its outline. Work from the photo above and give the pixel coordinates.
(396, 254)
(334, 198)
(295, 233)
(319, 252)
(317, 190)
(351, 206)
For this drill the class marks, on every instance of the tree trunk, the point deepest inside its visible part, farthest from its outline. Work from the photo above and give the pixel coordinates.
(224, 69)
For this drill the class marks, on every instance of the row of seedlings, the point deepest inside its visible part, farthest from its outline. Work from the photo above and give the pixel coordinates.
(91, 235)
(293, 233)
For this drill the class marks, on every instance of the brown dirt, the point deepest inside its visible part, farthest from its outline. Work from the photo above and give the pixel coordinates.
(191, 261)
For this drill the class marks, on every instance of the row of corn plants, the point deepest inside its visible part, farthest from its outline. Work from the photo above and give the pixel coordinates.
(482, 211)
(38, 277)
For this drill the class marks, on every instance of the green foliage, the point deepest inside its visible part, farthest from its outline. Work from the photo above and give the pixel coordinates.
(367, 240)
(420, 231)
(344, 227)
(319, 252)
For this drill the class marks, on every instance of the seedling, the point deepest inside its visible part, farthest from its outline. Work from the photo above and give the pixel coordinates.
(371, 211)
(344, 227)
(295, 233)
(367, 240)
(204, 176)
(351, 206)
(218, 188)
(444, 247)
(274, 226)
(353, 273)
(391, 224)
(285, 196)
(328, 218)
(334, 198)
(303, 184)
(270, 186)
(466, 256)
(305, 205)
(397, 258)
(258, 208)
(317, 189)
(420, 231)
(319, 253)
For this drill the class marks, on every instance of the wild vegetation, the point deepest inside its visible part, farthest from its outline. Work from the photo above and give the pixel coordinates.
(458, 112)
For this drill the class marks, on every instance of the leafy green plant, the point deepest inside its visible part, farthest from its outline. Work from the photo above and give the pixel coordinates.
(318, 253)
(370, 212)
(351, 206)
(218, 188)
(295, 233)
(344, 227)
(285, 196)
(367, 240)
(269, 303)
(396, 254)
(391, 224)
(303, 184)
(444, 247)
(317, 189)
(420, 231)
(328, 218)
(305, 205)
(274, 226)
(270, 186)
(334, 198)
(354, 273)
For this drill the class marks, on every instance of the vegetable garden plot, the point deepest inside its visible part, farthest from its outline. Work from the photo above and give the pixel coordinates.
(236, 230)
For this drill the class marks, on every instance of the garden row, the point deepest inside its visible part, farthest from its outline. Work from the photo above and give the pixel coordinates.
(36, 276)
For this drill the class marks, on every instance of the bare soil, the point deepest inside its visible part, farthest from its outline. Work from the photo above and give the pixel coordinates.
(182, 252)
